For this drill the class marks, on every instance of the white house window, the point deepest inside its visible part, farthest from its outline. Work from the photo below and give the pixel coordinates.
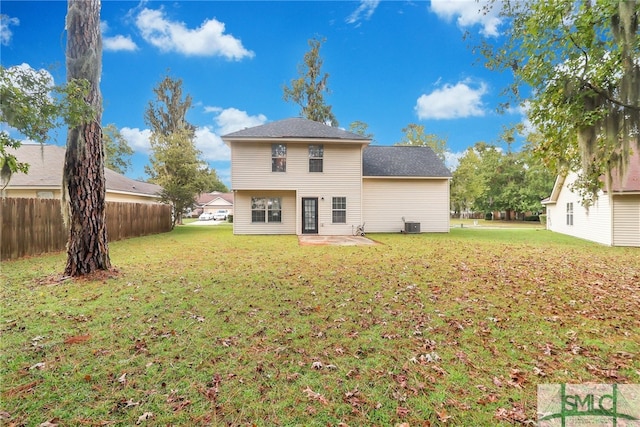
(266, 209)
(278, 157)
(274, 210)
(316, 154)
(339, 210)
(569, 213)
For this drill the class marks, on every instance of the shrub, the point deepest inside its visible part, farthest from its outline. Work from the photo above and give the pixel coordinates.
(532, 218)
(488, 216)
(543, 219)
(230, 218)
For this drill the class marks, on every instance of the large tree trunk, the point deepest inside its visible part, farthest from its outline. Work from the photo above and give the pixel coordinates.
(84, 188)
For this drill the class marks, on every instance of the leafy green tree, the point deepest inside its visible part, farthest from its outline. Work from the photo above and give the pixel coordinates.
(33, 106)
(361, 128)
(538, 182)
(489, 180)
(167, 114)
(83, 186)
(489, 162)
(213, 183)
(117, 150)
(308, 89)
(580, 61)
(415, 134)
(467, 184)
(175, 163)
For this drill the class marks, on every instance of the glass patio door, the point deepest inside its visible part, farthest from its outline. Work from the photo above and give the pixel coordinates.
(309, 215)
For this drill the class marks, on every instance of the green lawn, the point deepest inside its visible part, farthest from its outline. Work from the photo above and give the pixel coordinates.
(200, 327)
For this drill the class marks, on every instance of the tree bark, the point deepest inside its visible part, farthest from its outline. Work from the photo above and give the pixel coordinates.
(84, 188)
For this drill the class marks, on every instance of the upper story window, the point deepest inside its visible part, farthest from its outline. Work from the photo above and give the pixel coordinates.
(278, 157)
(569, 213)
(316, 153)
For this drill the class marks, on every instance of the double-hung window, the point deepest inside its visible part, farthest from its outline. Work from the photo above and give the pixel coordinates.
(339, 210)
(278, 157)
(316, 154)
(569, 213)
(266, 209)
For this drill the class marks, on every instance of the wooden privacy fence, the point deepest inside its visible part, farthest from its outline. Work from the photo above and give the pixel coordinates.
(35, 226)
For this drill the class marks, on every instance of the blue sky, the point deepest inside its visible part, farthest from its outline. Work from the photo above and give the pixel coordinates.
(391, 63)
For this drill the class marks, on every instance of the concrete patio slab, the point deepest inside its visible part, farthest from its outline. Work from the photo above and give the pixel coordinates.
(315, 240)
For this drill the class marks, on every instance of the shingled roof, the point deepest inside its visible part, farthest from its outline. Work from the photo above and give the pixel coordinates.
(403, 161)
(45, 171)
(296, 128)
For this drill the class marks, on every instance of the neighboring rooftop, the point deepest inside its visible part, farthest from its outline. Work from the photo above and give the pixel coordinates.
(296, 128)
(403, 161)
(205, 198)
(45, 170)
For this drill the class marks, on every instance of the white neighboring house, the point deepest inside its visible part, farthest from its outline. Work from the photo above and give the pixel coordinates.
(297, 176)
(614, 218)
(214, 201)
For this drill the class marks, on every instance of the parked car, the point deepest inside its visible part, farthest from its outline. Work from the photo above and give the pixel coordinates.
(205, 216)
(221, 215)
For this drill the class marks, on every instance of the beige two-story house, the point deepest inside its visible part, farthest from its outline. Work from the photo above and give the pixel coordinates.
(297, 176)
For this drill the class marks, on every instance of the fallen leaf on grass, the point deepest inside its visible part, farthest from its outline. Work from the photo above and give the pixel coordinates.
(607, 373)
(77, 339)
(516, 413)
(490, 398)
(39, 365)
(517, 378)
(315, 396)
(402, 411)
(177, 403)
(443, 416)
(123, 379)
(50, 423)
(130, 403)
(144, 417)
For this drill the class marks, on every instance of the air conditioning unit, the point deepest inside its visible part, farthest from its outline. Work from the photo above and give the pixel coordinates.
(411, 227)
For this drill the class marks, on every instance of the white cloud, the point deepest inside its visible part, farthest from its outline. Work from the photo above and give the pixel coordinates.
(364, 11)
(470, 13)
(115, 43)
(207, 40)
(5, 31)
(211, 145)
(137, 139)
(118, 43)
(231, 119)
(207, 138)
(452, 102)
(452, 160)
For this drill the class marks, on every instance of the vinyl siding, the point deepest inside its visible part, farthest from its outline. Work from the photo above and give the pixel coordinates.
(341, 177)
(593, 224)
(110, 196)
(242, 217)
(626, 220)
(386, 201)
